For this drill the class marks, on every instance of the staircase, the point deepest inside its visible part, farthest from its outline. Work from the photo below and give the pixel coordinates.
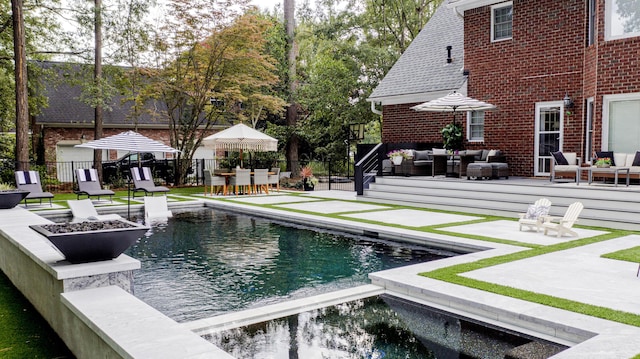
(604, 204)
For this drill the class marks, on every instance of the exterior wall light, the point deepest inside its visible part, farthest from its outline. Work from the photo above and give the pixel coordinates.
(568, 102)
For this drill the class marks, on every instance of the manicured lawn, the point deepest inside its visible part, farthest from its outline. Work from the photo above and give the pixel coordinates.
(23, 332)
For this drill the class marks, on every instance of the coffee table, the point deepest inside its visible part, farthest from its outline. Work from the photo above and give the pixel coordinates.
(592, 169)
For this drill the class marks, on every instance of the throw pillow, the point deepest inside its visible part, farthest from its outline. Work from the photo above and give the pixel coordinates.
(535, 211)
(559, 157)
(636, 159)
(603, 154)
(484, 155)
(422, 155)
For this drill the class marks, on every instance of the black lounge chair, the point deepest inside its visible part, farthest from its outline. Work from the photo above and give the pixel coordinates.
(89, 185)
(143, 182)
(30, 181)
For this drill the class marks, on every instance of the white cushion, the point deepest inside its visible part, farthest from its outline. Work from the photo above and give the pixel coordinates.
(571, 157)
(629, 161)
(439, 151)
(620, 159)
(565, 168)
(492, 153)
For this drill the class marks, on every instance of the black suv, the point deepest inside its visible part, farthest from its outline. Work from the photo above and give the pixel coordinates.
(120, 169)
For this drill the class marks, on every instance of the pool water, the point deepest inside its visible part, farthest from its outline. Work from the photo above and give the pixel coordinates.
(378, 327)
(208, 262)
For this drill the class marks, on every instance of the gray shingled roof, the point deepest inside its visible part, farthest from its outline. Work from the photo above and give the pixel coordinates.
(422, 68)
(65, 108)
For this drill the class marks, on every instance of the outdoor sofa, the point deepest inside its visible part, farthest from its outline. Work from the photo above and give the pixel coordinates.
(621, 159)
(421, 162)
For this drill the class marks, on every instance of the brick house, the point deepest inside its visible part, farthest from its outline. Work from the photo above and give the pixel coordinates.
(67, 121)
(565, 75)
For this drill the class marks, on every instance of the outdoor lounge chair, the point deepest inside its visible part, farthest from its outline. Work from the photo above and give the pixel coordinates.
(143, 182)
(535, 215)
(156, 209)
(564, 164)
(214, 181)
(30, 181)
(89, 184)
(83, 211)
(565, 223)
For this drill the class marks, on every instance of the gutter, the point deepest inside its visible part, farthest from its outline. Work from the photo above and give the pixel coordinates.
(374, 109)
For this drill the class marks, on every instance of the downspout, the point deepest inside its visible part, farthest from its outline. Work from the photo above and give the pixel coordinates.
(374, 109)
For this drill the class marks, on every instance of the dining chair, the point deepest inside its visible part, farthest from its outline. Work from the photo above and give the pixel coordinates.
(261, 180)
(241, 179)
(274, 178)
(211, 181)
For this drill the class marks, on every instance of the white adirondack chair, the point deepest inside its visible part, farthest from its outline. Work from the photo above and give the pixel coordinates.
(534, 217)
(565, 223)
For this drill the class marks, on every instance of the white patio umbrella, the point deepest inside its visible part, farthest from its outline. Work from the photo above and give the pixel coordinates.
(241, 137)
(128, 141)
(453, 102)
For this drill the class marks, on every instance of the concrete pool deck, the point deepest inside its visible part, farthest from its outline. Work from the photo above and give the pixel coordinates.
(578, 274)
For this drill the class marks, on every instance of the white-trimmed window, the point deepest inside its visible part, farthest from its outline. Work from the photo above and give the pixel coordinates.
(475, 126)
(622, 19)
(501, 21)
(621, 122)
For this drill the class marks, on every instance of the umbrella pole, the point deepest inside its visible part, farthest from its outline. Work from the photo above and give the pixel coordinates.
(129, 199)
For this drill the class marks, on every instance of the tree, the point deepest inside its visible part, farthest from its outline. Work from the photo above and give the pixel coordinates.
(293, 141)
(214, 70)
(22, 107)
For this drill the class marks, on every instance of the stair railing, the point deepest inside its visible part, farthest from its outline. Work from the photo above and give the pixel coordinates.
(366, 170)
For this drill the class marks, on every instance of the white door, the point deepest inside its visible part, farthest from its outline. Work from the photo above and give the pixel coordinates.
(549, 127)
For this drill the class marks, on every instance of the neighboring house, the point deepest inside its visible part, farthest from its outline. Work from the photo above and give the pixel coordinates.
(67, 121)
(530, 57)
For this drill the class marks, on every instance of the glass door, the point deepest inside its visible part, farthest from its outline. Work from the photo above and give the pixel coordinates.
(549, 119)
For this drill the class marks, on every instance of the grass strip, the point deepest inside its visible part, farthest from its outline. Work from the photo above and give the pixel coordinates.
(452, 275)
(628, 255)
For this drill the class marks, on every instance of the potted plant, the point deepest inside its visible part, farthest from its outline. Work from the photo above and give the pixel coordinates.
(452, 137)
(10, 196)
(603, 162)
(397, 156)
(92, 240)
(309, 181)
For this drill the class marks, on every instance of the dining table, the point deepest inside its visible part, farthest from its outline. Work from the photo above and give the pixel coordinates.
(228, 175)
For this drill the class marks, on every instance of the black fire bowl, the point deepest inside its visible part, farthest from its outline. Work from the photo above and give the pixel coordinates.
(11, 198)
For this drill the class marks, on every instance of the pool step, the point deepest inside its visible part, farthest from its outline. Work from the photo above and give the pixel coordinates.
(280, 310)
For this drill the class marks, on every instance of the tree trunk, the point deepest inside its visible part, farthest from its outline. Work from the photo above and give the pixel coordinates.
(22, 99)
(292, 111)
(98, 132)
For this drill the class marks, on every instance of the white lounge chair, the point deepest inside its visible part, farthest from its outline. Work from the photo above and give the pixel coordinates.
(565, 223)
(534, 217)
(83, 211)
(156, 208)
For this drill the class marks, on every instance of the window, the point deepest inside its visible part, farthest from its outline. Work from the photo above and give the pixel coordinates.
(501, 21)
(621, 123)
(475, 126)
(622, 19)
(592, 23)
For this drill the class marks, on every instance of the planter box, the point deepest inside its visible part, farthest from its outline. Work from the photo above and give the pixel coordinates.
(87, 242)
(11, 198)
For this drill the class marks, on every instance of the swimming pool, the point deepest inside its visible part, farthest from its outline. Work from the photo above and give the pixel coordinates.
(208, 262)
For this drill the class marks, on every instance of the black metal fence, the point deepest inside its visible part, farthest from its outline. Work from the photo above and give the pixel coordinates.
(60, 176)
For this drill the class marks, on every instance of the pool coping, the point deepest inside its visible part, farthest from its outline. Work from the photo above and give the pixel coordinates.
(588, 336)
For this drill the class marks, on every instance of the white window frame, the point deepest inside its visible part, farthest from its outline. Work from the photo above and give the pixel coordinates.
(606, 101)
(469, 125)
(589, 130)
(493, 18)
(608, 24)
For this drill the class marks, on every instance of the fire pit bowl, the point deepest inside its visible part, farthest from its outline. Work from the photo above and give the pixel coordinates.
(92, 241)
(10, 198)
